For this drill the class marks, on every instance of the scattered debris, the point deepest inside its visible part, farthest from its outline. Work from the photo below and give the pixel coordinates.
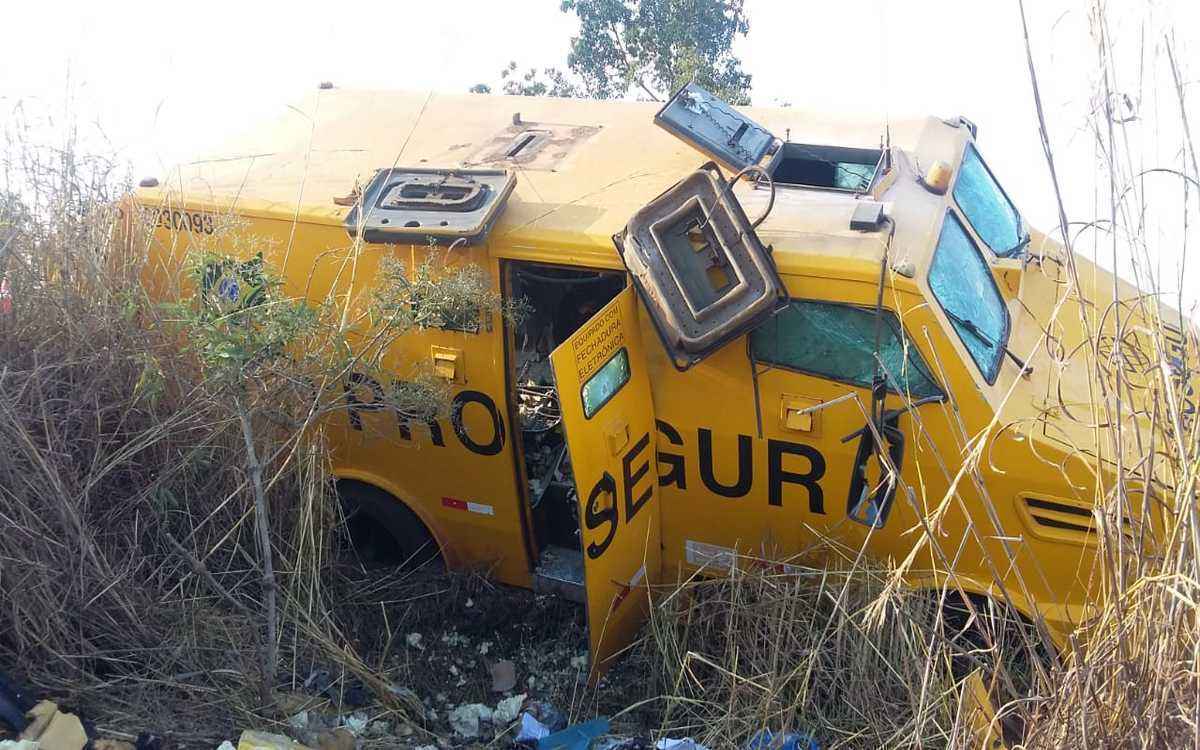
(576, 737)
(414, 641)
(299, 720)
(465, 719)
(507, 710)
(52, 729)
(765, 739)
(623, 743)
(380, 728)
(504, 676)
(531, 729)
(252, 740)
(683, 743)
(356, 722)
(111, 744)
(547, 715)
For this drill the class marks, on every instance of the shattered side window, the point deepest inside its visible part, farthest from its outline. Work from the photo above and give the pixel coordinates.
(837, 341)
(963, 285)
(986, 207)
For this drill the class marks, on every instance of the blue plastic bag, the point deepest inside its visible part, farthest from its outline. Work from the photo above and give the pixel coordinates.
(765, 739)
(576, 737)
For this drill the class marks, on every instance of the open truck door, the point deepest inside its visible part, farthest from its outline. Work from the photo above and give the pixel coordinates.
(710, 124)
(604, 391)
(704, 279)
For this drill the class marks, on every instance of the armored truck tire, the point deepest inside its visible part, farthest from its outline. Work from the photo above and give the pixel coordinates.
(382, 530)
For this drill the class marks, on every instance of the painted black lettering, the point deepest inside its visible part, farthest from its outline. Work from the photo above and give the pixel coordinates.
(675, 475)
(354, 404)
(435, 430)
(631, 479)
(810, 480)
(496, 444)
(595, 517)
(745, 466)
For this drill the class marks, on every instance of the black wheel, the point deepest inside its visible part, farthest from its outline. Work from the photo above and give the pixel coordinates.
(383, 531)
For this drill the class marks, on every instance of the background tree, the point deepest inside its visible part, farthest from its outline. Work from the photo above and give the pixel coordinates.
(648, 48)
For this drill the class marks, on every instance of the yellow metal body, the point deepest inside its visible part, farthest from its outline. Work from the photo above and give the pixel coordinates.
(721, 442)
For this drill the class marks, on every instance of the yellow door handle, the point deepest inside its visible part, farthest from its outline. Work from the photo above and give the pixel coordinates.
(447, 363)
(617, 436)
(799, 413)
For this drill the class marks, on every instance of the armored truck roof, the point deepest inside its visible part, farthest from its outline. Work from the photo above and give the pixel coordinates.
(582, 168)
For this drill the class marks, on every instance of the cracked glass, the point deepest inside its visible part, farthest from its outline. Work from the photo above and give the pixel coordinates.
(963, 285)
(984, 204)
(837, 341)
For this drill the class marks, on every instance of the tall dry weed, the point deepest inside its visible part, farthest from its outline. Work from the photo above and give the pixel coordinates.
(129, 585)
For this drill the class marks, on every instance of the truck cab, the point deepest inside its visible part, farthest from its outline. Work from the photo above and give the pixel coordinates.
(751, 334)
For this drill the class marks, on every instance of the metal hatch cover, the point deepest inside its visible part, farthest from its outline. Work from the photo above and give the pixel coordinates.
(404, 204)
(699, 268)
(713, 126)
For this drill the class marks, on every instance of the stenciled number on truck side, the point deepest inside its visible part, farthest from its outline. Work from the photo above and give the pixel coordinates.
(176, 220)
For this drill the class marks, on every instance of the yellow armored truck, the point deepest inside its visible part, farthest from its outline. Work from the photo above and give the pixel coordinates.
(747, 330)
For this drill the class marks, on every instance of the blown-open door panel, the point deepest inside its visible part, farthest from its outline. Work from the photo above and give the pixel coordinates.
(710, 124)
(604, 390)
(702, 272)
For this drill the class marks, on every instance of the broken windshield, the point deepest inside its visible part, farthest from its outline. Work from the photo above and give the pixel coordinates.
(990, 212)
(962, 284)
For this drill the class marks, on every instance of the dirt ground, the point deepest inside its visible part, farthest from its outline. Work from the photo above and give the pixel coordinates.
(439, 635)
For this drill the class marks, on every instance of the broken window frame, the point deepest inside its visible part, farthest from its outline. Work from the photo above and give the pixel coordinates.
(734, 139)
(830, 151)
(738, 148)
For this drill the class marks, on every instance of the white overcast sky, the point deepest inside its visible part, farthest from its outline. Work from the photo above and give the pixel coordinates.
(157, 82)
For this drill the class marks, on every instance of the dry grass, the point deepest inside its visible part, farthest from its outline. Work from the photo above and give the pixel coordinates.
(830, 652)
(793, 651)
(129, 581)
